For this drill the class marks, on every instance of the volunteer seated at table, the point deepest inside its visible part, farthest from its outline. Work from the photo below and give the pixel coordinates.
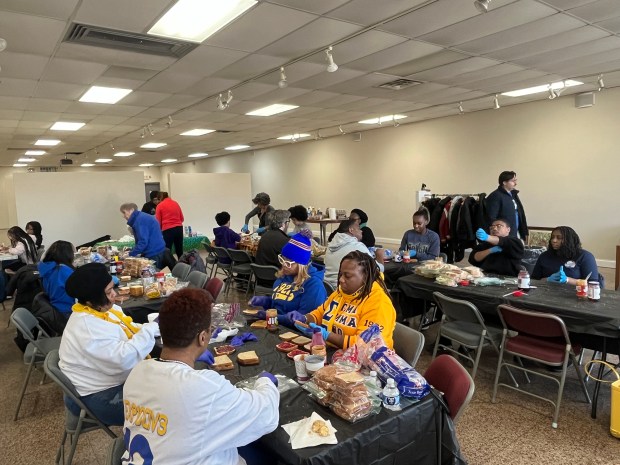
(299, 286)
(497, 252)
(421, 242)
(149, 240)
(224, 236)
(100, 344)
(565, 261)
(262, 202)
(347, 239)
(33, 228)
(271, 243)
(55, 269)
(22, 245)
(361, 218)
(299, 216)
(199, 416)
(360, 301)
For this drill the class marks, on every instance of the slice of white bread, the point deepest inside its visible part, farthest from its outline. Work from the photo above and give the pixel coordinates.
(288, 336)
(259, 324)
(222, 363)
(248, 358)
(301, 340)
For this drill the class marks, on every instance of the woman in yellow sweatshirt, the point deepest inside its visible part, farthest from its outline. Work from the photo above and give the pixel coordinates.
(360, 301)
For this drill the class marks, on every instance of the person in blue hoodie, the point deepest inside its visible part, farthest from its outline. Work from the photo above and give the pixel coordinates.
(224, 236)
(55, 269)
(149, 240)
(299, 285)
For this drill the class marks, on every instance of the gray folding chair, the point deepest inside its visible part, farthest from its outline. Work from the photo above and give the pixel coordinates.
(197, 279)
(210, 259)
(224, 264)
(37, 348)
(181, 271)
(115, 452)
(408, 343)
(263, 273)
(74, 425)
(328, 288)
(241, 261)
(462, 323)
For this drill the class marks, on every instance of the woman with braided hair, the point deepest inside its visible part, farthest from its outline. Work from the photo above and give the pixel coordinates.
(360, 301)
(565, 261)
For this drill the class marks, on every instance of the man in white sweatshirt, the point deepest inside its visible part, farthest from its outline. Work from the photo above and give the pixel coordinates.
(347, 239)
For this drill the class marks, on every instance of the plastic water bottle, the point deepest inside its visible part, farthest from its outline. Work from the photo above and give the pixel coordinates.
(391, 396)
(373, 379)
(189, 231)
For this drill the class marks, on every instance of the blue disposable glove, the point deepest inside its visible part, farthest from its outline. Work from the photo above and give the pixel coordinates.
(412, 253)
(245, 229)
(261, 314)
(260, 301)
(115, 280)
(317, 328)
(215, 333)
(260, 230)
(206, 357)
(558, 276)
(495, 249)
(481, 235)
(269, 376)
(296, 316)
(307, 331)
(240, 339)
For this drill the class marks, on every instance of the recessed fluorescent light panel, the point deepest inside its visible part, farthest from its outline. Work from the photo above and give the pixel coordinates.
(19, 165)
(103, 160)
(110, 95)
(153, 145)
(47, 142)
(87, 165)
(26, 160)
(197, 132)
(382, 119)
(543, 88)
(124, 154)
(145, 164)
(35, 152)
(197, 155)
(169, 160)
(238, 147)
(272, 110)
(195, 20)
(293, 136)
(64, 126)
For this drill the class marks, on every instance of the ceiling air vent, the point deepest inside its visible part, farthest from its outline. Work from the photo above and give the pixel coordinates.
(127, 41)
(399, 84)
(48, 169)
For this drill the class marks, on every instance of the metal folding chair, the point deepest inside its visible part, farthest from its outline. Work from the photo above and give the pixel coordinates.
(447, 375)
(263, 273)
(241, 265)
(408, 343)
(224, 264)
(197, 279)
(181, 271)
(210, 259)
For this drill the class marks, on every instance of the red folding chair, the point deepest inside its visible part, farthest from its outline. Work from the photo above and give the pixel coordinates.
(447, 375)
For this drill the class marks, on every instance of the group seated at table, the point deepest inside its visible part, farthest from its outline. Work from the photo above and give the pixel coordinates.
(420, 242)
(203, 418)
(299, 284)
(498, 252)
(360, 301)
(346, 239)
(272, 241)
(565, 261)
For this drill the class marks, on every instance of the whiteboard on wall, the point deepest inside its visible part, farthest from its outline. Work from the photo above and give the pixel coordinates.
(77, 207)
(203, 195)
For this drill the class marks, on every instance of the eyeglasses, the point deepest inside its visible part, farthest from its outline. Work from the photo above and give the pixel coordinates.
(284, 262)
(497, 226)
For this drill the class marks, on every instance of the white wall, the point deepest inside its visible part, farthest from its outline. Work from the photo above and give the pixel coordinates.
(566, 161)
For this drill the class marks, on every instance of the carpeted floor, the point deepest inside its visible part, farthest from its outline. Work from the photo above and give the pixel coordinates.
(515, 430)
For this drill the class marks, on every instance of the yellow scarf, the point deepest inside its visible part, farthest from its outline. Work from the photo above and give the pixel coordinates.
(124, 321)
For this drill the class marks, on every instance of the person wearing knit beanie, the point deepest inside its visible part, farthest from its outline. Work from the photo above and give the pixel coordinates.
(299, 285)
(88, 283)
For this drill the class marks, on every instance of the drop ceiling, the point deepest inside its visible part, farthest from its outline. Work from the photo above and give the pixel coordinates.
(457, 54)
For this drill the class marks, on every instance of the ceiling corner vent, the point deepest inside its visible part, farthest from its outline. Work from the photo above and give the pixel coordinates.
(399, 84)
(128, 41)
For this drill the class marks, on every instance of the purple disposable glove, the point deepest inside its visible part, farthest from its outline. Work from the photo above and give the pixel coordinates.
(270, 377)
(206, 357)
(261, 314)
(215, 333)
(296, 316)
(240, 339)
(260, 301)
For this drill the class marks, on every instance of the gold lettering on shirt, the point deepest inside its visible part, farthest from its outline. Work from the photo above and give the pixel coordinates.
(285, 292)
(144, 417)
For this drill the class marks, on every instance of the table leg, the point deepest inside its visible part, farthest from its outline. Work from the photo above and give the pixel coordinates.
(617, 267)
(323, 227)
(597, 384)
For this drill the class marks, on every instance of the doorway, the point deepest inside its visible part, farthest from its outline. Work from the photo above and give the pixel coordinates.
(150, 187)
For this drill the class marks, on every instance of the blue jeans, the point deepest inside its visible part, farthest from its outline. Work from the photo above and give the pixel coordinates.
(107, 405)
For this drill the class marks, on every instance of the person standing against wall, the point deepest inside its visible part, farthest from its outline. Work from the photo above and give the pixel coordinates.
(151, 206)
(170, 217)
(504, 203)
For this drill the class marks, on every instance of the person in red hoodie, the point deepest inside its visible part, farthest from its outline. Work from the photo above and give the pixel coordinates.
(170, 217)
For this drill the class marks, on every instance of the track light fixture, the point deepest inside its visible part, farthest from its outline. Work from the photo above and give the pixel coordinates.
(318, 135)
(599, 81)
(461, 110)
(169, 123)
(552, 93)
(143, 134)
(149, 128)
(341, 130)
(331, 66)
(3, 44)
(112, 146)
(482, 5)
(282, 83)
(395, 123)
(223, 104)
(496, 102)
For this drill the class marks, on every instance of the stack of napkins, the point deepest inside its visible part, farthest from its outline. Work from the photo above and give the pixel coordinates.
(302, 435)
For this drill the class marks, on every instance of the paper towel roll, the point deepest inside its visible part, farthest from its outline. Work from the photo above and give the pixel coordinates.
(332, 213)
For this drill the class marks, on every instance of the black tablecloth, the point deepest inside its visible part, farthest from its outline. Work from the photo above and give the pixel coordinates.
(600, 318)
(139, 307)
(405, 437)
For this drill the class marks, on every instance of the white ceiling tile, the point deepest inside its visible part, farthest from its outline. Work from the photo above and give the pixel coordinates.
(129, 73)
(323, 80)
(359, 84)
(133, 16)
(17, 30)
(11, 114)
(426, 62)
(144, 99)
(249, 66)
(72, 71)
(612, 25)
(366, 12)
(314, 6)
(123, 110)
(485, 73)
(259, 27)
(294, 72)
(22, 66)
(210, 86)
(17, 87)
(315, 97)
(59, 90)
(318, 34)
(170, 82)
(543, 60)
(58, 9)
(597, 11)
(206, 60)
(288, 95)
(40, 104)
(496, 20)
(178, 101)
(568, 4)
(453, 69)
(87, 108)
(398, 54)
(505, 83)
(110, 56)
(46, 116)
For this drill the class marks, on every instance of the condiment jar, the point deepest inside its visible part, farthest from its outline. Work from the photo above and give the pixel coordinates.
(272, 319)
(160, 278)
(594, 291)
(582, 288)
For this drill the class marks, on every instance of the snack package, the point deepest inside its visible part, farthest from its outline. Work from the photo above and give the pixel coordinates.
(228, 315)
(378, 357)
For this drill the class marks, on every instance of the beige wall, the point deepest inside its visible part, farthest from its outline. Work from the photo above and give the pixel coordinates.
(566, 160)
